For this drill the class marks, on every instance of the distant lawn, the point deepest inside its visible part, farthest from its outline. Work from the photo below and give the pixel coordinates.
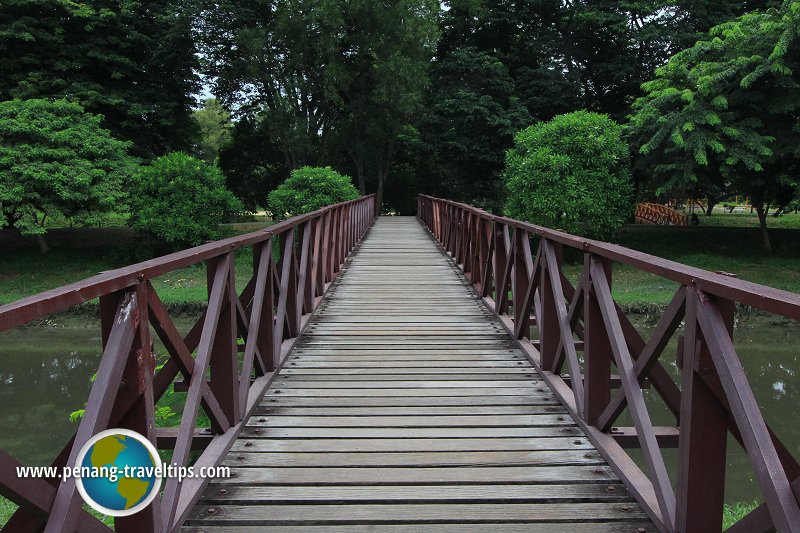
(79, 253)
(83, 252)
(747, 220)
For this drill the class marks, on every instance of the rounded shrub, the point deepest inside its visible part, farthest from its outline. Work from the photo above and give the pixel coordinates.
(180, 201)
(309, 189)
(571, 173)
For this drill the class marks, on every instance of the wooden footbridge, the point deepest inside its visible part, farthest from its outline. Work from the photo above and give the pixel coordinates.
(438, 373)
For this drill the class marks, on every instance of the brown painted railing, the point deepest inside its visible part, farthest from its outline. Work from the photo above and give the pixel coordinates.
(269, 313)
(660, 214)
(525, 285)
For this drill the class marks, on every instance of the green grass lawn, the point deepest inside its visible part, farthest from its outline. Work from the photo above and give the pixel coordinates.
(79, 253)
(8, 507)
(748, 220)
(25, 272)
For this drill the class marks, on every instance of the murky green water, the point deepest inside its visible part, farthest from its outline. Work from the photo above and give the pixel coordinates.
(45, 374)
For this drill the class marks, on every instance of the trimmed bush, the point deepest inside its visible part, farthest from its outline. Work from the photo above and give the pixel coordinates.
(309, 189)
(571, 173)
(180, 201)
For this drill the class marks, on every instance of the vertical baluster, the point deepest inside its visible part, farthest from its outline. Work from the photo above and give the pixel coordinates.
(224, 353)
(500, 263)
(262, 266)
(597, 353)
(548, 323)
(704, 429)
(520, 279)
(141, 417)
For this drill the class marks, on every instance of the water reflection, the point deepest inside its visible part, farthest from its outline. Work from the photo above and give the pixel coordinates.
(769, 350)
(45, 374)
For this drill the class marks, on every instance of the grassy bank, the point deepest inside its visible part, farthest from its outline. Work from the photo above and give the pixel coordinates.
(81, 253)
(7, 508)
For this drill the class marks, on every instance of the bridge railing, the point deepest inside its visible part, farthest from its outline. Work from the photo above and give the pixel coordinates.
(294, 262)
(525, 285)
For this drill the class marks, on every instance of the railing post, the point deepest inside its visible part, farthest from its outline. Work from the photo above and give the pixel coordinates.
(224, 353)
(520, 279)
(547, 324)
(265, 342)
(596, 345)
(141, 418)
(500, 264)
(704, 429)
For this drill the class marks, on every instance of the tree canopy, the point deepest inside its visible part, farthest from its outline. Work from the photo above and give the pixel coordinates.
(56, 160)
(723, 114)
(133, 62)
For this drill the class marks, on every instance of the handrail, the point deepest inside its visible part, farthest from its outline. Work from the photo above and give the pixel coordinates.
(660, 214)
(269, 313)
(554, 320)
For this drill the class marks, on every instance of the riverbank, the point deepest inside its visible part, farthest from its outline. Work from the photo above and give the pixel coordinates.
(80, 253)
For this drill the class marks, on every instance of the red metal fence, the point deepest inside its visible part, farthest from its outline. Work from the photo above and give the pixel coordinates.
(526, 287)
(268, 314)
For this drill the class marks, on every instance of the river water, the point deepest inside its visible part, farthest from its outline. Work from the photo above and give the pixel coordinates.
(46, 373)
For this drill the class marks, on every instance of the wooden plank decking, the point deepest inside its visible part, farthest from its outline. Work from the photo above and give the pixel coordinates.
(407, 407)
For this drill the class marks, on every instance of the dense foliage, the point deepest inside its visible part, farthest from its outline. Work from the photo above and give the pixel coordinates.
(56, 160)
(425, 96)
(132, 61)
(721, 118)
(326, 78)
(309, 189)
(179, 201)
(215, 126)
(571, 173)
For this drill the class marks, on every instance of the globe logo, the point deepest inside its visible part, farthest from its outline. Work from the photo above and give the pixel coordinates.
(120, 472)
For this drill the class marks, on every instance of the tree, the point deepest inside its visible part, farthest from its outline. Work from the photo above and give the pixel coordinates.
(309, 189)
(132, 62)
(571, 173)
(312, 69)
(215, 126)
(252, 163)
(726, 111)
(469, 120)
(382, 82)
(179, 201)
(55, 159)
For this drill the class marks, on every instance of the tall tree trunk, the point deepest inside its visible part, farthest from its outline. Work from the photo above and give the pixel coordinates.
(762, 222)
(383, 174)
(362, 179)
(43, 246)
(710, 207)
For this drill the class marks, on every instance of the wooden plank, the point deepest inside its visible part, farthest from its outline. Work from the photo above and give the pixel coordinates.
(399, 370)
(443, 527)
(410, 445)
(237, 515)
(418, 411)
(399, 475)
(409, 433)
(287, 384)
(541, 398)
(415, 459)
(414, 493)
(471, 421)
(358, 391)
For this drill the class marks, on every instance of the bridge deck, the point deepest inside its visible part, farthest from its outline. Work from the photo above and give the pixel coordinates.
(406, 404)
